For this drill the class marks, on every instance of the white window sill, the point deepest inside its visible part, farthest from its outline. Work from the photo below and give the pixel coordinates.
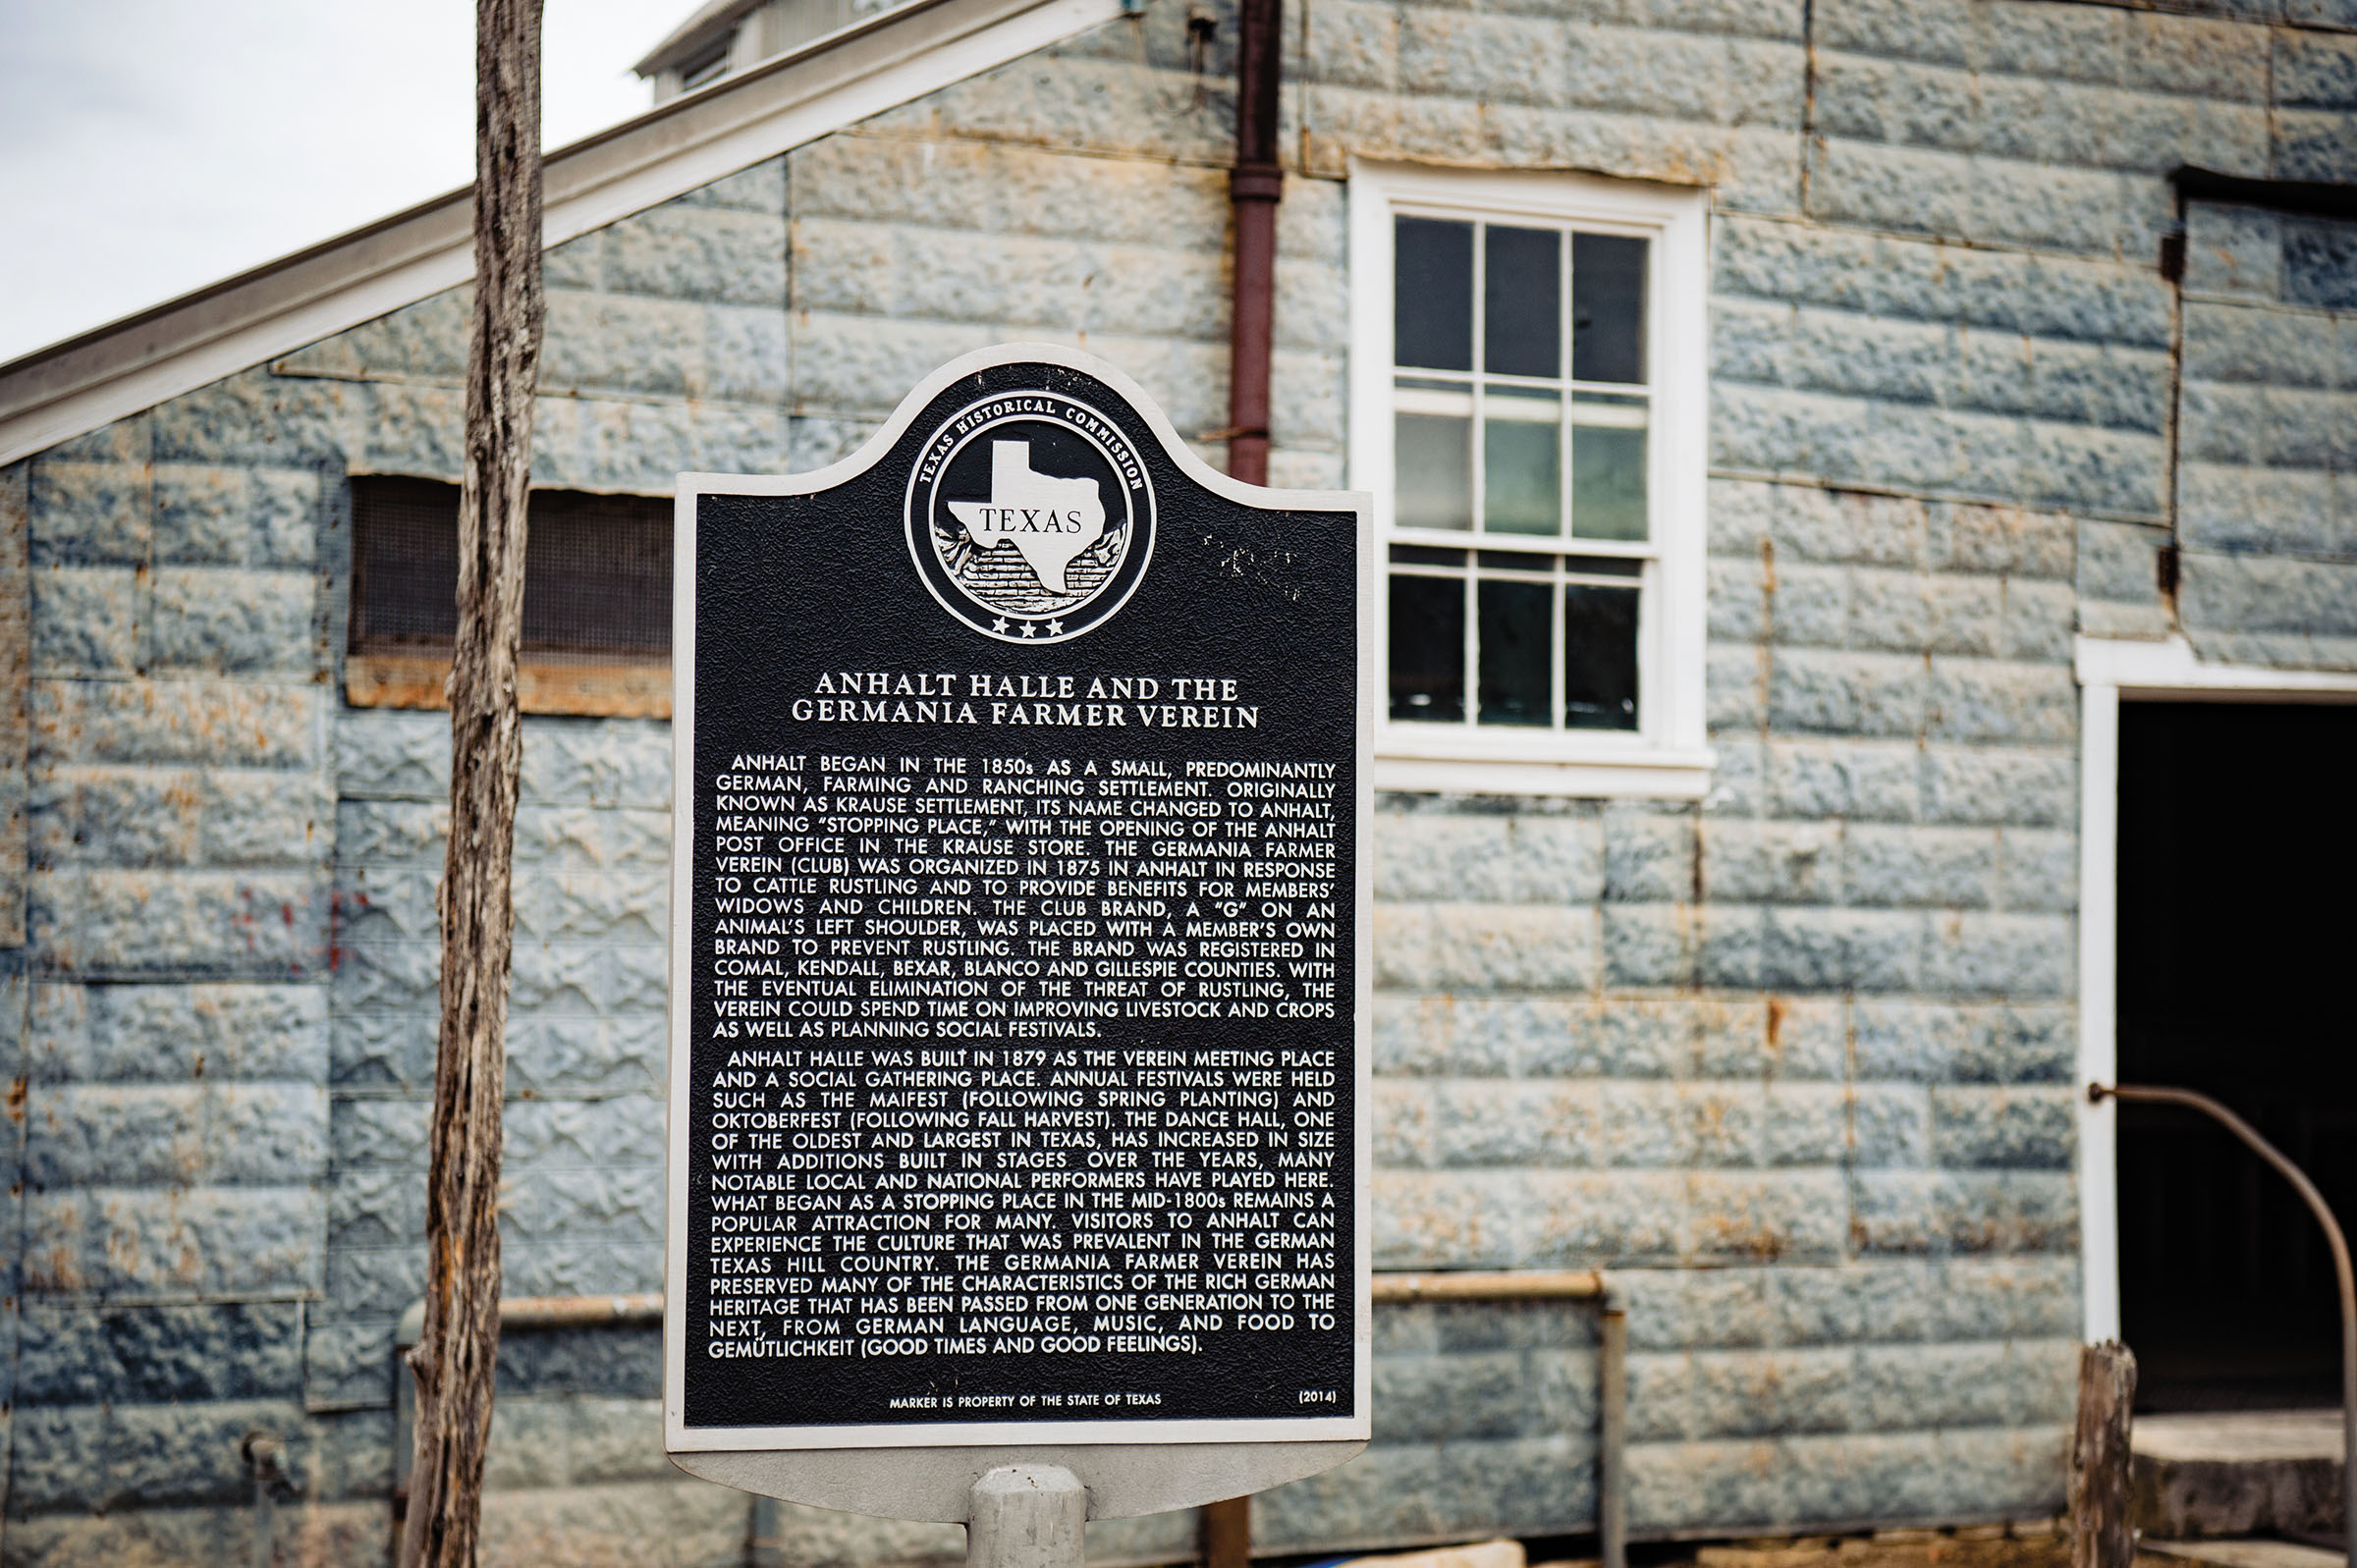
(1487, 763)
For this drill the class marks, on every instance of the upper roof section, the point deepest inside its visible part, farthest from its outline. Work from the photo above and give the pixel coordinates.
(711, 22)
(856, 71)
(729, 37)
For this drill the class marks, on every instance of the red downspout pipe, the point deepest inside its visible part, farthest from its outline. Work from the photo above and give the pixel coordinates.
(1253, 188)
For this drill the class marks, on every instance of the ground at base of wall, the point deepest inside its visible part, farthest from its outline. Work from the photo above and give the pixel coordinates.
(2029, 1544)
(690, 1523)
(679, 1524)
(2042, 1543)
(2035, 1543)
(2249, 1551)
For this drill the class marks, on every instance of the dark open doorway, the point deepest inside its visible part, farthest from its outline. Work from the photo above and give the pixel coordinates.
(2237, 965)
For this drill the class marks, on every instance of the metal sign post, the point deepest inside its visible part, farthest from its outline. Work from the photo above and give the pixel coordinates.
(1019, 979)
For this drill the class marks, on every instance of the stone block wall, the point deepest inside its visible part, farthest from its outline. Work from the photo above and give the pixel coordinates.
(2267, 516)
(1795, 1065)
(1799, 1077)
(583, 1170)
(229, 935)
(665, 351)
(172, 1013)
(1081, 196)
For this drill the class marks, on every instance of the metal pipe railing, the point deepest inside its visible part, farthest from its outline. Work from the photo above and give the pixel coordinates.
(1611, 1433)
(1490, 1284)
(549, 1311)
(2141, 1093)
(1389, 1289)
(1611, 1365)
(515, 1312)
(265, 1456)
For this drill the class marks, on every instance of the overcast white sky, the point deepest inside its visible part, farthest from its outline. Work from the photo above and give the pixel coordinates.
(149, 147)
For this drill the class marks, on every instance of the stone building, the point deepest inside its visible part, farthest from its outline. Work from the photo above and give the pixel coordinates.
(1872, 394)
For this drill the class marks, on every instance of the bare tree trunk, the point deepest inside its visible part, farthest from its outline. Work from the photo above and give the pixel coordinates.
(2101, 1536)
(455, 1357)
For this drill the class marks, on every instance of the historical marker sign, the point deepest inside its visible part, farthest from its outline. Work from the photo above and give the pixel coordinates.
(1019, 986)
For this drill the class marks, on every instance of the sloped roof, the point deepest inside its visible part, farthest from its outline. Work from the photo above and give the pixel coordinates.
(860, 70)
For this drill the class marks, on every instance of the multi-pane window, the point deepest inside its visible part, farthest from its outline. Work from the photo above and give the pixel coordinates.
(1527, 396)
(1520, 407)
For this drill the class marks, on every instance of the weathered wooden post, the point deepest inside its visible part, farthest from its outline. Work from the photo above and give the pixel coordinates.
(2101, 1536)
(456, 1355)
(1227, 1533)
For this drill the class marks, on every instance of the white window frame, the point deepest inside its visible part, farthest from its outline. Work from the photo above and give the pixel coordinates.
(2113, 672)
(1667, 755)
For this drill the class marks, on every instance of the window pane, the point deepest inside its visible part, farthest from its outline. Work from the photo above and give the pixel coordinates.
(1432, 293)
(1603, 565)
(1600, 658)
(1516, 648)
(1521, 462)
(1522, 302)
(1608, 307)
(1608, 482)
(1433, 476)
(1428, 648)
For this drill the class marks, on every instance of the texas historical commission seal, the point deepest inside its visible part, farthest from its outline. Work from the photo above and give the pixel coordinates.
(1030, 517)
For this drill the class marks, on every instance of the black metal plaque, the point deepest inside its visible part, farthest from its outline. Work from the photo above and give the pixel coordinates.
(1018, 997)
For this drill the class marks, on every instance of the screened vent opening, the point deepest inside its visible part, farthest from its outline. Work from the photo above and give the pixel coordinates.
(596, 598)
(709, 66)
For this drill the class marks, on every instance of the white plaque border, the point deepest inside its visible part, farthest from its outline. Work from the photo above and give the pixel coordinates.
(922, 1470)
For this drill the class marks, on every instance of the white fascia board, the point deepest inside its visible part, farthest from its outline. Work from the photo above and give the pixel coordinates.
(2172, 670)
(1658, 775)
(856, 72)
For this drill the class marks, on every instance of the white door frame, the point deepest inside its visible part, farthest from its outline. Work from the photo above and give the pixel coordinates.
(2110, 671)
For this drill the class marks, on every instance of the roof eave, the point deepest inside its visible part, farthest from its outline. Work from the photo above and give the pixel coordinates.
(872, 65)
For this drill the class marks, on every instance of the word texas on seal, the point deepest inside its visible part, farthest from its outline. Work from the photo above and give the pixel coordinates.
(1030, 517)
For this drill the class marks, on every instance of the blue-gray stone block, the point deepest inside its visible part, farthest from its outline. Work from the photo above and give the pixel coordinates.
(147, 1135)
(154, 1355)
(132, 1456)
(2013, 1128)
(90, 513)
(180, 1243)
